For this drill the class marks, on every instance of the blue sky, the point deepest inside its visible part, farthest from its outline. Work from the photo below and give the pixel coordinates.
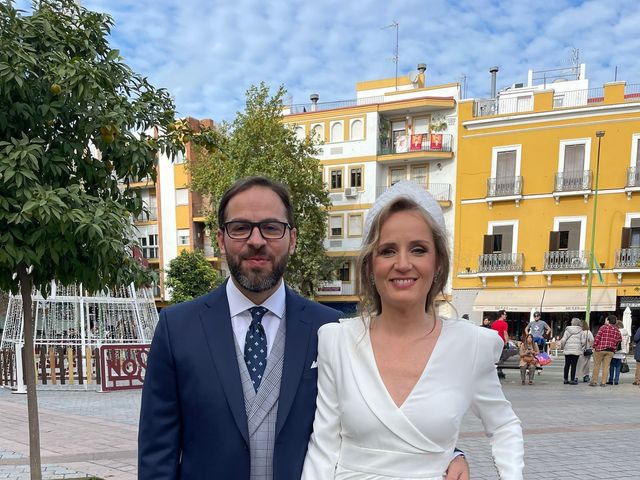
(208, 52)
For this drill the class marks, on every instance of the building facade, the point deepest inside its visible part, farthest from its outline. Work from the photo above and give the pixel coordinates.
(394, 129)
(548, 173)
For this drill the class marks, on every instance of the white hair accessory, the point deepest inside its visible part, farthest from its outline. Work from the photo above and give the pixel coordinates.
(411, 191)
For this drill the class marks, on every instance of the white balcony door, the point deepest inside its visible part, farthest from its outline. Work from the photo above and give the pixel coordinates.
(574, 159)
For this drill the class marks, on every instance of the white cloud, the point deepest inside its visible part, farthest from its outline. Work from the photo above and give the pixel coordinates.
(207, 53)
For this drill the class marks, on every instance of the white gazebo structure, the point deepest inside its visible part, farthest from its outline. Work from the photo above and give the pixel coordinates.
(70, 327)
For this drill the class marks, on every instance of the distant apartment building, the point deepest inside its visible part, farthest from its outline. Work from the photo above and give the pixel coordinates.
(394, 129)
(173, 220)
(531, 162)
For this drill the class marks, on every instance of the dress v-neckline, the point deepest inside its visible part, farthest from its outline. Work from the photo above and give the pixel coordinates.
(420, 377)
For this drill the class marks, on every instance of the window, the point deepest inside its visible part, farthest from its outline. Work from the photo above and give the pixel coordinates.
(505, 171)
(420, 174)
(299, 132)
(524, 104)
(569, 238)
(335, 226)
(180, 158)
(355, 177)
(398, 130)
(420, 126)
(357, 130)
(497, 243)
(344, 271)
(183, 236)
(355, 225)
(182, 196)
(336, 132)
(336, 179)
(573, 165)
(396, 174)
(634, 237)
(317, 133)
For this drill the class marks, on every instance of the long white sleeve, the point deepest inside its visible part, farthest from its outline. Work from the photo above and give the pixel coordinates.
(324, 445)
(501, 424)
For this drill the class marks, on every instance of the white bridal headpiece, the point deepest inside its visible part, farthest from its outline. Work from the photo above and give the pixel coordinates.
(412, 191)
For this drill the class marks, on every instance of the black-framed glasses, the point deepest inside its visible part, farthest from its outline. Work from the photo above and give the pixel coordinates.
(270, 230)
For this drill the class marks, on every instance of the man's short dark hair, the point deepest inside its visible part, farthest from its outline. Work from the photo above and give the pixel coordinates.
(536, 314)
(245, 184)
(501, 313)
(612, 319)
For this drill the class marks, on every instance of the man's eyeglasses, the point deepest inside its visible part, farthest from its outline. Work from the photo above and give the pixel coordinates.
(269, 230)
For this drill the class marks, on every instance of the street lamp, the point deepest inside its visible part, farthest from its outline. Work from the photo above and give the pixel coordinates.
(592, 257)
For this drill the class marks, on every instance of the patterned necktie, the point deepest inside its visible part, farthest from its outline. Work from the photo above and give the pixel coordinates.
(255, 346)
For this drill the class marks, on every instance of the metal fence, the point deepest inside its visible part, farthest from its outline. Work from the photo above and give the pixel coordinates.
(426, 142)
(321, 106)
(440, 191)
(504, 186)
(633, 177)
(573, 181)
(628, 257)
(566, 260)
(632, 92)
(501, 262)
(498, 106)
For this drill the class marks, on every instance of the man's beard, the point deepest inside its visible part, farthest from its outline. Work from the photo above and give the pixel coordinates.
(255, 282)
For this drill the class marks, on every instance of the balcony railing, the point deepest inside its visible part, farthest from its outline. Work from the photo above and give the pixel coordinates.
(633, 177)
(498, 106)
(578, 98)
(440, 191)
(150, 253)
(425, 142)
(628, 258)
(566, 260)
(149, 216)
(500, 262)
(504, 186)
(632, 92)
(573, 181)
(320, 106)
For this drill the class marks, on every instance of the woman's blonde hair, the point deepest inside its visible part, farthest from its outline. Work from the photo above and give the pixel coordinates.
(370, 303)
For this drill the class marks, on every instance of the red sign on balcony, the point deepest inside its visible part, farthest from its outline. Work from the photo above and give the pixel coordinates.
(416, 142)
(123, 366)
(435, 141)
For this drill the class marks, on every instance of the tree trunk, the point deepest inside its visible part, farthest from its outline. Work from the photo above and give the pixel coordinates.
(30, 374)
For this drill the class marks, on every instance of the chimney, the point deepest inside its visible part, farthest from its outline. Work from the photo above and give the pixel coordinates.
(493, 71)
(314, 97)
(422, 67)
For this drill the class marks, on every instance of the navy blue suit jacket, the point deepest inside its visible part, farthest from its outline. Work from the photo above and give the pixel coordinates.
(193, 423)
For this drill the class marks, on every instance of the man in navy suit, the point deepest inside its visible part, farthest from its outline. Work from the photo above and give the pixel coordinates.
(230, 387)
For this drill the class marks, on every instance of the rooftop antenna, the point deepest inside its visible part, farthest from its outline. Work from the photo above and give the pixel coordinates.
(396, 55)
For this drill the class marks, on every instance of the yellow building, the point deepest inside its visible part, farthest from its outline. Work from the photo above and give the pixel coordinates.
(174, 220)
(527, 184)
(394, 129)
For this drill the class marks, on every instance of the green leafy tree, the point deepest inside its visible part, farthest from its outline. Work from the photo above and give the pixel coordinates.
(76, 126)
(190, 275)
(258, 143)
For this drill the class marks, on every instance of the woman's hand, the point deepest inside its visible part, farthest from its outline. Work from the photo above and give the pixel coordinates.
(458, 469)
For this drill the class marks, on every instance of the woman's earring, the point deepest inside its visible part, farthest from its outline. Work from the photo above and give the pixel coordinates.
(436, 276)
(372, 280)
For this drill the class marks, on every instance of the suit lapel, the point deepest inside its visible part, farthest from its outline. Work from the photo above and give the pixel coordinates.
(216, 323)
(298, 329)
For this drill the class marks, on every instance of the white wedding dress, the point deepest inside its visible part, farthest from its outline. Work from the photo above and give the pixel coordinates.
(360, 433)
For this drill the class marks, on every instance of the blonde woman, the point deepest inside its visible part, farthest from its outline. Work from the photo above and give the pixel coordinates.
(395, 383)
(528, 351)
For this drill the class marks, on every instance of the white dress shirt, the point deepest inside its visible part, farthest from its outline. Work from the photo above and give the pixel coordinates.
(239, 306)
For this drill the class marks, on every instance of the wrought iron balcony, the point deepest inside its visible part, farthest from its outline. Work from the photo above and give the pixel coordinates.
(498, 106)
(426, 142)
(150, 253)
(628, 257)
(504, 186)
(633, 177)
(500, 262)
(440, 191)
(578, 180)
(566, 260)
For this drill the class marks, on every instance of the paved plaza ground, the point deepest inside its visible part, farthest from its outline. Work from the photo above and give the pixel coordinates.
(571, 432)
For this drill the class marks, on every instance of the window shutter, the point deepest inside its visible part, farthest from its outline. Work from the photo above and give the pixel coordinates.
(487, 246)
(625, 239)
(554, 241)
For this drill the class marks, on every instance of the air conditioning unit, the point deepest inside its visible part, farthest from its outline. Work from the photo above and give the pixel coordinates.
(350, 192)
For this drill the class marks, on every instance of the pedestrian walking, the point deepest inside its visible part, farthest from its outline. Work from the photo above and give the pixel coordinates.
(584, 361)
(636, 354)
(619, 356)
(604, 347)
(572, 346)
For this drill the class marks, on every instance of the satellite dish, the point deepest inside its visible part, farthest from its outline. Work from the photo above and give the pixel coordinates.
(413, 76)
